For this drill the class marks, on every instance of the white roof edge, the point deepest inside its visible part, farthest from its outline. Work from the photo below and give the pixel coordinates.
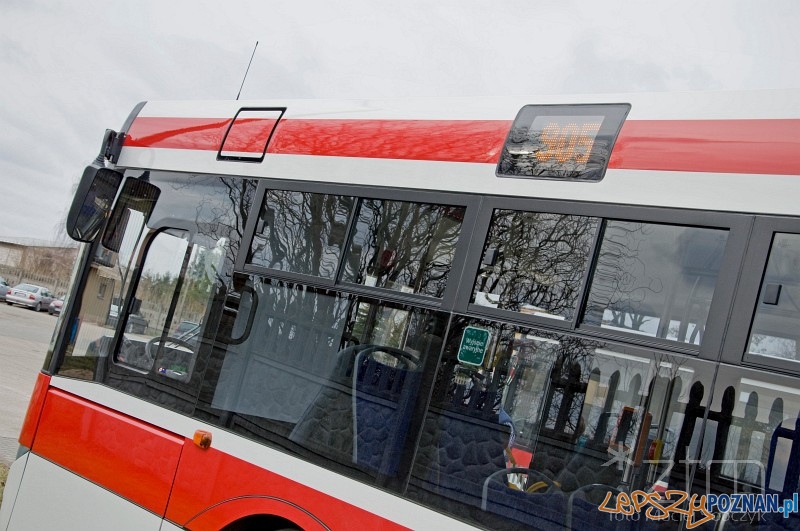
(756, 104)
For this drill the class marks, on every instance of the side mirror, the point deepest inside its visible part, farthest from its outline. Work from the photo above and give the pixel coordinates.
(92, 202)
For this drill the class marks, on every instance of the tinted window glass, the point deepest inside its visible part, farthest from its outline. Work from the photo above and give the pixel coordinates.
(750, 444)
(301, 232)
(217, 208)
(332, 378)
(655, 280)
(774, 330)
(403, 246)
(538, 433)
(162, 330)
(534, 263)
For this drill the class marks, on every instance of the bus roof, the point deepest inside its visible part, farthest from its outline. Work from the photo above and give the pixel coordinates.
(727, 151)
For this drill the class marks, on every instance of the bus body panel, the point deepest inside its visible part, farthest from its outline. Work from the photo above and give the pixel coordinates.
(11, 489)
(213, 489)
(135, 460)
(127, 456)
(726, 192)
(722, 146)
(236, 467)
(51, 497)
(32, 415)
(674, 150)
(709, 105)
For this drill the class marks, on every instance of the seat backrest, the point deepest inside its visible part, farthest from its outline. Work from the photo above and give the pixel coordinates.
(362, 413)
(457, 453)
(583, 513)
(383, 406)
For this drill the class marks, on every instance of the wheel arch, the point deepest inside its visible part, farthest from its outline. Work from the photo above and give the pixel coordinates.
(244, 512)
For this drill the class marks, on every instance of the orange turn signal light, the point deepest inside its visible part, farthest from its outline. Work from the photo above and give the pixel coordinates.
(202, 439)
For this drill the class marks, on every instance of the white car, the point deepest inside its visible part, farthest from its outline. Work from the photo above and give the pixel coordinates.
(34, 297)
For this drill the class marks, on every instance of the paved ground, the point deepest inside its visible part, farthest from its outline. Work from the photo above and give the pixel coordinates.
(8, 449)
(24, 339)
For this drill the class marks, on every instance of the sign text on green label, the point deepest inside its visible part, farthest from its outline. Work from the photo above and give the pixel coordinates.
(473, 345)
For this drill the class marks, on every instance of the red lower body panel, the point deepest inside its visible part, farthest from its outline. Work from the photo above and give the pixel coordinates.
(126, 456)
(170, 476)
(233, 489)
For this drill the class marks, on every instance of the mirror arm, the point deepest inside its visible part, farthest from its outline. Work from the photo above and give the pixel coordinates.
(113, 145)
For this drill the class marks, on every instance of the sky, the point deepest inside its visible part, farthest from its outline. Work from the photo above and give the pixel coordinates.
(71, 69)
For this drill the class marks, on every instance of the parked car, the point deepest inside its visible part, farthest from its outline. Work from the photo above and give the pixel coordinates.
(4, 287)
(34, 297)
(55, 306)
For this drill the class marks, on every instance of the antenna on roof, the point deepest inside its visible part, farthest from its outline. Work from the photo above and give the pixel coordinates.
(246, 71)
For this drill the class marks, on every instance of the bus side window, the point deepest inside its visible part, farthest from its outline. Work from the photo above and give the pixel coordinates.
(774, 330)
(402, 246)
(655, 280)
(144, 322)
(334, 378)
(162, 329)
(301, 232)
(534, 263)
(752, 441)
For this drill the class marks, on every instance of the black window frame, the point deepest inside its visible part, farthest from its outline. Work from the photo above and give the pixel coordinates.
(737, 225)
(470, 203)
(745, 305)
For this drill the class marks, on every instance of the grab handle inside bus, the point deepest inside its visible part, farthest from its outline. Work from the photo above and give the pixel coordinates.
(231, 309)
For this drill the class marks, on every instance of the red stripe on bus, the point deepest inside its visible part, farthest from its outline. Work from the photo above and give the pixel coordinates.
(768, 147)
(206, 489)
(32, 415)
(178, 133)
(717, 146)
(430, 140)
(213, 489)
(249, 135)
(126, 456)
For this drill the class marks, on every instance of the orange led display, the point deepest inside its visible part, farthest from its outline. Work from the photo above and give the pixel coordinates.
(571, 142)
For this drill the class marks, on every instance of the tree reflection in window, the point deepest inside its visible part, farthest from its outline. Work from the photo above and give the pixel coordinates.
(403, 246)
(301, 232)
(535, 262)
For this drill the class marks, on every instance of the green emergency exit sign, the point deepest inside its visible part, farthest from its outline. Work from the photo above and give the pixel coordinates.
(473, 345)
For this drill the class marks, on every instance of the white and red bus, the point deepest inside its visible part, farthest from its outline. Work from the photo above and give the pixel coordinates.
(541, 313)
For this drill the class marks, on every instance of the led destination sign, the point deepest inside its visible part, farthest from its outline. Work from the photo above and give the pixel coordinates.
(571, 142)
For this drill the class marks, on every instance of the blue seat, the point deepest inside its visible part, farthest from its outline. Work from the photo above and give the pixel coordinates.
(362, 413)
(583, 509)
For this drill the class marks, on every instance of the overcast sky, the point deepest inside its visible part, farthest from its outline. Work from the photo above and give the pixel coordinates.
(70, 69)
